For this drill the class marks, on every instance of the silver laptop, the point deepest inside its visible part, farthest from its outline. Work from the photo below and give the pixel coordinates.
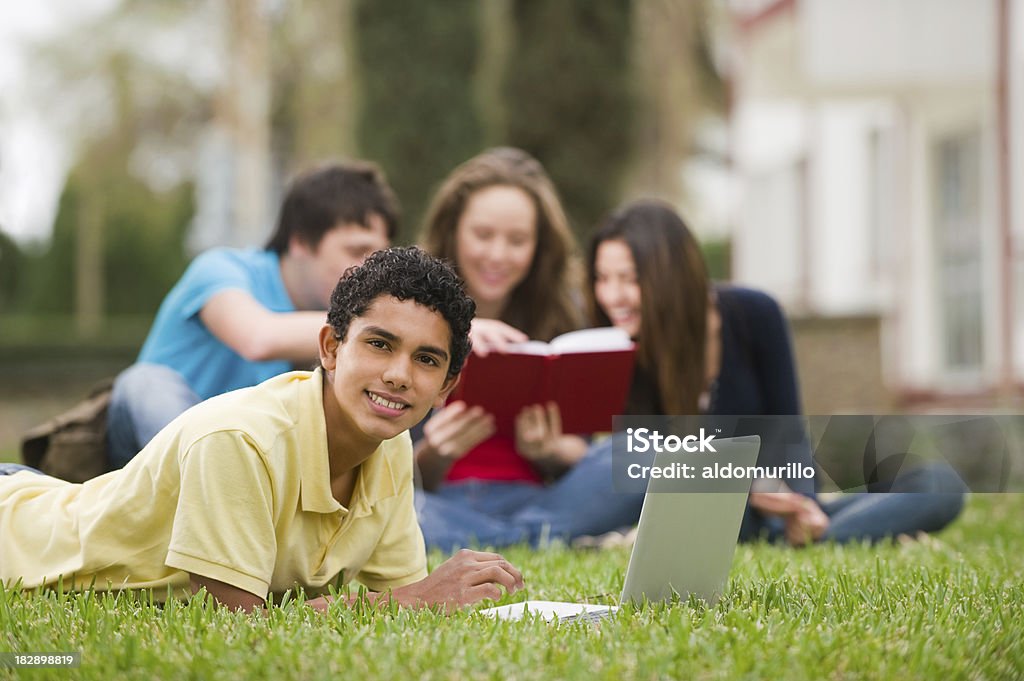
(685, 540)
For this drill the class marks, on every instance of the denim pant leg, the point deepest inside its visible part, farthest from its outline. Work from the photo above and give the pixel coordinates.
(12, 468)
(146, 397)
(925, 499)
(496, 498)
(472, 513)
(584, 501)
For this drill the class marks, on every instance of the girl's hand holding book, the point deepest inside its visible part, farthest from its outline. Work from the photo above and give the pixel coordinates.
(492, 335)
(454, 430)
(539, 437)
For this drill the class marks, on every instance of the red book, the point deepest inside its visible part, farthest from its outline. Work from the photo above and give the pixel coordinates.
(588, 373)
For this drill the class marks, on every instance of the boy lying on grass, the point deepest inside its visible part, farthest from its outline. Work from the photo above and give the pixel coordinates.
(302, 481)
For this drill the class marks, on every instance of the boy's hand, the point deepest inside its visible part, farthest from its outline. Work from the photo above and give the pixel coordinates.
(456, 429)
(464, 579)
(491, 335)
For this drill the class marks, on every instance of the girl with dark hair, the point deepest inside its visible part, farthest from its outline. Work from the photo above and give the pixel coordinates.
(670, 382)
(725, 350)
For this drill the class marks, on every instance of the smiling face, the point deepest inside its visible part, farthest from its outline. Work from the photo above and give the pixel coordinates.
(345, 246)
(616, 286)
(495, 240)
(390, 369)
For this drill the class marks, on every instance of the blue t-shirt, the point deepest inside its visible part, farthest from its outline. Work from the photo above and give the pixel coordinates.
(181, 341)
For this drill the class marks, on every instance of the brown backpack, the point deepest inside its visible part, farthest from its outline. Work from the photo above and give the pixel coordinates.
(73, 445)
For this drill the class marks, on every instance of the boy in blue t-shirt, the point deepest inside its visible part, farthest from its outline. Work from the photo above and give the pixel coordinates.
(239, 316)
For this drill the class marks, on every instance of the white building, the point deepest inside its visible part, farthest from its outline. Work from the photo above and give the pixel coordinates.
(868, 143)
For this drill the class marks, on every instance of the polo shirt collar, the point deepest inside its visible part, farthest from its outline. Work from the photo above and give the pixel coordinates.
(376, 479)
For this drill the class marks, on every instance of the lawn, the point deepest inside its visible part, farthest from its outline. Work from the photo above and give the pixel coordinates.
(953, 608)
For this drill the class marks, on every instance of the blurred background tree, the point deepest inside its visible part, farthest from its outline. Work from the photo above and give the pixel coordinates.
(183, 121)
(118, 238)
(568, 98)
(137, 265)
(11, 265)
(607, 95)
(676, 85)
(315, 84)
(417, 116)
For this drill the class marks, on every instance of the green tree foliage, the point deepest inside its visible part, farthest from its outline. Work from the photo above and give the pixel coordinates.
(11, 260)
(568, 98)
(718, 256)
(313, 95)
(677, 88)
(417, 117)
(143, 244)
(117, 243)
(145, 237)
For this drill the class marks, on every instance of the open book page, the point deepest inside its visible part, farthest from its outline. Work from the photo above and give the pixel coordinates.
(602, 339)
(585, 340)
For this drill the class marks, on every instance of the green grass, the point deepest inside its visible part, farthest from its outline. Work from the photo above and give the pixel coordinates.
(951, 609)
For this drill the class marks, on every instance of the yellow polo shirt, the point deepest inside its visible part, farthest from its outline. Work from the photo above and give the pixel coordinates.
(236, 489)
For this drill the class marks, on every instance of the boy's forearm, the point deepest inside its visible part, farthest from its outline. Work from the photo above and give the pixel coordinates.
(224, 594)
(258, 334)
(466, 578)
(291, 337)
(405, 597)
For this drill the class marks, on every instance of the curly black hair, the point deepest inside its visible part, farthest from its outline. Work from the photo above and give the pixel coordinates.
(406, 274)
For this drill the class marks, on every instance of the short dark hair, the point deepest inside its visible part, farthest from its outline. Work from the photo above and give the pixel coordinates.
(334, 194)
(407, 274)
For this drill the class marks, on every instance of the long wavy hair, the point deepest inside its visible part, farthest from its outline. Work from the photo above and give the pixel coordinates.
(543, 304)
(674, 291)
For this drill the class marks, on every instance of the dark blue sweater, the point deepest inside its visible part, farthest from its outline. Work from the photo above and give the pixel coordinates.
(758, 374)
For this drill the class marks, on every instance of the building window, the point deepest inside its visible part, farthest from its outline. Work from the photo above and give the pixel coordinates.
(958, 232)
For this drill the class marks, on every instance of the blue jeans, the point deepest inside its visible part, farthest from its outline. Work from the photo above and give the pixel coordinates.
(146, 398)
(472, 513)
(585, 502)
(12, 468)
(925, 499)
(581, 502)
